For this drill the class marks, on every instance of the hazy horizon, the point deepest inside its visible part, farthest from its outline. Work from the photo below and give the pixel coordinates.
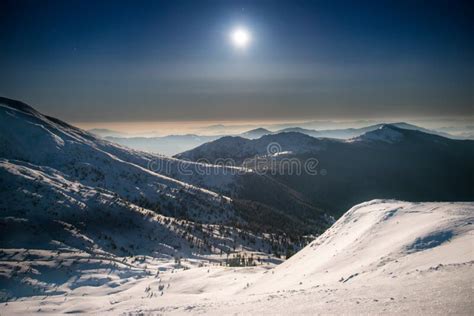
(157, 128)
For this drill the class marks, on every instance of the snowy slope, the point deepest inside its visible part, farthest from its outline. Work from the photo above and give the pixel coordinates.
(381, 239)
(46, 219)
(43, 141)
(188, 190)
(382, 256)
(67, 195)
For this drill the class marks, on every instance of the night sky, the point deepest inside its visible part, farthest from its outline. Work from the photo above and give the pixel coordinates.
(108, 61)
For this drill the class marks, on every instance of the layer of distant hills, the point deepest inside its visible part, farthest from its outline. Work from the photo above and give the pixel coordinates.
(174, 144)
(387, 161)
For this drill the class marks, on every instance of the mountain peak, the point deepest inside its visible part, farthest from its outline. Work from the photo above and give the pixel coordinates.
(260, 129)
(256, 133)
(387, 133)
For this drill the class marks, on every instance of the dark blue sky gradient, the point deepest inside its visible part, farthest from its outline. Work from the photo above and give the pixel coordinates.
(172, 60)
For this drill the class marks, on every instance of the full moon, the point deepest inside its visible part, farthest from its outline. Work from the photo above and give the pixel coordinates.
(240, 37)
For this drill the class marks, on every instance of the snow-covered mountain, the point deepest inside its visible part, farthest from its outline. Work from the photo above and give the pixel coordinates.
(393, 133)
(388, 162)
(240, 149)
(382, 256)
(385, 133)
(186, 190)
(68, 196)
(28, 136)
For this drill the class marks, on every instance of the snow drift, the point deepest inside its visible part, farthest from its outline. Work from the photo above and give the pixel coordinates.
(382, 256)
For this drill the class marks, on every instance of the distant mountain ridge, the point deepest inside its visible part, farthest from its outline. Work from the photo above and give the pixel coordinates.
(387, 162)
(174, 144)
(255, 133)
(347, 133)
(105, 132)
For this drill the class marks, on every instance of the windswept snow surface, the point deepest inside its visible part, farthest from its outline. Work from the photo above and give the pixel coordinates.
(382, 256)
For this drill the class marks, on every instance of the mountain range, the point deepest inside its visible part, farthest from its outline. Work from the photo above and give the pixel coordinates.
(387, 162)
(89, 226)
(174, 144)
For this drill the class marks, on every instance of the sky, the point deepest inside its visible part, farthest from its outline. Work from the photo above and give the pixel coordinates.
(97, 62)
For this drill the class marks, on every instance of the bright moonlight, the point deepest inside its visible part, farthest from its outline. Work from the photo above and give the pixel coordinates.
(240, 37)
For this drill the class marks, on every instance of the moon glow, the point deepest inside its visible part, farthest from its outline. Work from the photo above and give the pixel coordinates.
(240, 37)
